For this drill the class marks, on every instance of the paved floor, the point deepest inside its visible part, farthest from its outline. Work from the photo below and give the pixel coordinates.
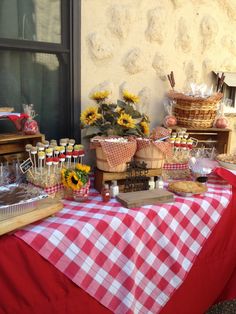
(228, 307)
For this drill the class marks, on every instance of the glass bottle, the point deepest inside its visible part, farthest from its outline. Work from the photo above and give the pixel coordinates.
(151, 183)
(114, 189)
(106, 196)
(159, 183)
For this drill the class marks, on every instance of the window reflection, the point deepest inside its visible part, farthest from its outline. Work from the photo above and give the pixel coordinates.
(33, 78)
(37, 20)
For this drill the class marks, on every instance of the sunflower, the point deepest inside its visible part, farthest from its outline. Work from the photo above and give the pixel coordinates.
(90, 115)
(144, 127)
(119, 110)
(100, 95)
(73, 181)
(130, 97)
(83, 168)
(126, 120)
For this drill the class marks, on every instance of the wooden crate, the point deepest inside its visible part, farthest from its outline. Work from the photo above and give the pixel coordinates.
(12, 145)
(211, 137)
(101, 177)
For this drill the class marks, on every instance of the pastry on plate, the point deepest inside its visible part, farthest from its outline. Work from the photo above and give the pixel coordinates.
(187, 187)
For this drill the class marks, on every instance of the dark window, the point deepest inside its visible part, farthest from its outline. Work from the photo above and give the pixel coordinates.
(39, 62)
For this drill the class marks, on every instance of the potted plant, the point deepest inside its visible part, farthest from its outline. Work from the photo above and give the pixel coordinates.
(76, 182)
(112, 127)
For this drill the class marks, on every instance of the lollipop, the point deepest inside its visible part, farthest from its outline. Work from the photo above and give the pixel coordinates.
(63, 142)
(56, 150)
(75, 155)
(68, 157)
(28, 149)
(45, 143)
(41, 156)
(62, 158)
(62, 149)
(40, 146)
(71, 142)
(49, 152)
(69, 149)
(34, 151)
(53, 142)
(49, 163)
(81, 155)
(78, 147)
(189, 143)
(55, 163)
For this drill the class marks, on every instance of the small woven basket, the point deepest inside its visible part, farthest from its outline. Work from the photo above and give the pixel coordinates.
(151, 155)
(78, 195)
(195, 112)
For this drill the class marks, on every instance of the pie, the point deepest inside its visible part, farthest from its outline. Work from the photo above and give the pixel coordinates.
(187, 187)
(231, 158)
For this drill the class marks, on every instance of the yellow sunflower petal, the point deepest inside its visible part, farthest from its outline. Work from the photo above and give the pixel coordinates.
(90, 115)
(129, 97)
(126, 121)
(144, 127)
(100, 95)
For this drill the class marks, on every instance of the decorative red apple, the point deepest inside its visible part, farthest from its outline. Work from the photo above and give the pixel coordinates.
(170, 120)
(221, 123)
(31, 127)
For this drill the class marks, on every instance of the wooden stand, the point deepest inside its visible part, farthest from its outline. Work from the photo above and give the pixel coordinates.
(12, 146)
(211, 137)
(101, 177)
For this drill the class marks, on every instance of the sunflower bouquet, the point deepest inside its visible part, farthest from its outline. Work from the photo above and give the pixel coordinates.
(76, 181)
(121, 118)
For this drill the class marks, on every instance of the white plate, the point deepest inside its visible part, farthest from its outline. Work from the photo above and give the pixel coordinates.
(227, 165)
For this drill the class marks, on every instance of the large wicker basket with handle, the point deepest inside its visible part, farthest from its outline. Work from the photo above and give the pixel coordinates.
(195, 112)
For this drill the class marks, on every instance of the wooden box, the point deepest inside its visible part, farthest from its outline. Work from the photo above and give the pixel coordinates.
(101, 177)
(12, 146)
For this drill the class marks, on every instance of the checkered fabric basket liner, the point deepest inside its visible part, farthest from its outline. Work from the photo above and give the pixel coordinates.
(82, 193)
(131, 261)
(164, 147)
(117, 153)
(178, 166)
(52, 189)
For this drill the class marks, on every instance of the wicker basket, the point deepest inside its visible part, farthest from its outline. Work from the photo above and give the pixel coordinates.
(151, 155)
(103, 164)
(195, 112)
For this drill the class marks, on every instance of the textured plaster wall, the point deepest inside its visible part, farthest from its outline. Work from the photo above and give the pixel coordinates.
(135, 43)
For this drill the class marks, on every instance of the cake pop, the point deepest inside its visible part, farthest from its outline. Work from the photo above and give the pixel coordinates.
(49, 163)
(62, 158)
(34, 151)
(41, 156)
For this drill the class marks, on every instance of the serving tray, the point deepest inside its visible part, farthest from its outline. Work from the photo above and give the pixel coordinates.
(43, 208)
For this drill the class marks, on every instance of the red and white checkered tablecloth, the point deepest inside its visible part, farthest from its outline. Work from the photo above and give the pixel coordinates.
(130, 260)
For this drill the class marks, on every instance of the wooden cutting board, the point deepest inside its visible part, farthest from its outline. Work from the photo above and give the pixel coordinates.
(43, 209)
(139, 198)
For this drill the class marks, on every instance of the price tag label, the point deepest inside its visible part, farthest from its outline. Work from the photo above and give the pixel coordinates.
(26, 165)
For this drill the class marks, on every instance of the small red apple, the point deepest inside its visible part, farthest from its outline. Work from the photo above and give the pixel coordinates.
(170, 120)
(221, 123)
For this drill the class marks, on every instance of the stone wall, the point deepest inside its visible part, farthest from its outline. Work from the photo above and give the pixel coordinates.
(135, 43)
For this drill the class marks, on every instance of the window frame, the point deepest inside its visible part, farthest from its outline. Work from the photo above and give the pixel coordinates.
(69, 52)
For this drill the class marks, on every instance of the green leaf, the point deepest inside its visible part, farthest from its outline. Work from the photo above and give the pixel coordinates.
(121, 103)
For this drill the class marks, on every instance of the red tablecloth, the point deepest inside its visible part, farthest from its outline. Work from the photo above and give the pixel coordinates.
(212, 272)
